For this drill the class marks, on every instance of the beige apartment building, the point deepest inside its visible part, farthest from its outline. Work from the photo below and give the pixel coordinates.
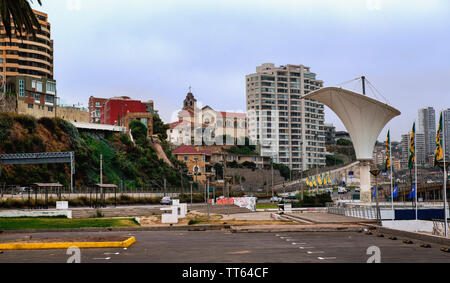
(288, 128)
(26, 67)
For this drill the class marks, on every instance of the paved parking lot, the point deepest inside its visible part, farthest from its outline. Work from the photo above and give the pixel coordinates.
(226, 247)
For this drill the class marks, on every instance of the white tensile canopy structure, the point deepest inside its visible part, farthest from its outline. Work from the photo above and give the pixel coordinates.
(364, 119)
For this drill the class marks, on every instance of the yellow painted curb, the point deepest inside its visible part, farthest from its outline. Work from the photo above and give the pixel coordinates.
(51, 246)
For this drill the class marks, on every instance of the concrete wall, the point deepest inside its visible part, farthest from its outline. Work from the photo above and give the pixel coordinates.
(73, 115)
(257, 178)
(8, 104)
(35, 213)
(35, 111)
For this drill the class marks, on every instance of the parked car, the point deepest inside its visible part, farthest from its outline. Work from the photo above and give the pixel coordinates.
(23, 190)
(342, 190)
(275, 199)
(166, 201)
(357, 190)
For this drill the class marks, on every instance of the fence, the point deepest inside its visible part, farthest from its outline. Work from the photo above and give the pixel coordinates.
(362, 212)
(439, 227)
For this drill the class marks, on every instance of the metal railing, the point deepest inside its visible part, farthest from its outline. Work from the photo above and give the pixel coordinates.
(439, 227)
(362, 212)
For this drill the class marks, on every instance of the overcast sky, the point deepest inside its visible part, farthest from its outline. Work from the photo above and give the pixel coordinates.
(156, 49)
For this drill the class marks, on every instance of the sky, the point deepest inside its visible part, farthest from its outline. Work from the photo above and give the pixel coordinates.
(157, 49)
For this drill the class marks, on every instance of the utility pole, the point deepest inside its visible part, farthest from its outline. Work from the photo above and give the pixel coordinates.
(165, 183)
(207, 200)
(101, 169)
(272, 179)
(181, 179)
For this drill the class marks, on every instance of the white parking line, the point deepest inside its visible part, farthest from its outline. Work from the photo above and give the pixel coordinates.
(326, 258)
(112, 253)
(303, 248)
(108, 258)
(318, 252)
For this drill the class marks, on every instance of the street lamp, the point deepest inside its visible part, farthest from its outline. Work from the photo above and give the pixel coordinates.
(376, 172)
(229, 179)
(191, 182)
(444, 165)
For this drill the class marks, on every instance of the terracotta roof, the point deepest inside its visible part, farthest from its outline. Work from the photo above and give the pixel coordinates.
(188, 149)
(174, 124)
(232, 115)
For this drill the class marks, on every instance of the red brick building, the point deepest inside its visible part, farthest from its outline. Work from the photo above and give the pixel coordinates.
(95, 109)
(111, 111)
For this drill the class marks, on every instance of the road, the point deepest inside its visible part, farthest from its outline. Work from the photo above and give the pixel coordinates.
(226, 247)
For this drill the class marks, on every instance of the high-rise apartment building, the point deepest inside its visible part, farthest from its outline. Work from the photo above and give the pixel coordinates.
(405, 151)
(287, 128)
(427, 126)
(421, 155)
(446, 125)
(26, 66)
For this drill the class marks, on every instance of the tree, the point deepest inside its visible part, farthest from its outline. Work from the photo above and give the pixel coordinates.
(22, 16)
(344, 142)
(139, 132)
(159, 128)
(285, 172)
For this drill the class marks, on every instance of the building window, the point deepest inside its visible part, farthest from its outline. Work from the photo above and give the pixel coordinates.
(21, 88)
(50, 109)
(30, 106)
(51, 87)
(49, 99)
(39, 86)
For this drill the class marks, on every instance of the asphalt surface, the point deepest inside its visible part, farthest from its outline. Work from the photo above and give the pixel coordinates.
(226, 247)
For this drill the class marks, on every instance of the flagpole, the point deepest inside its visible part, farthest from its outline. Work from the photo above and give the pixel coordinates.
(392, 185)
(415, 169)
(445, 179)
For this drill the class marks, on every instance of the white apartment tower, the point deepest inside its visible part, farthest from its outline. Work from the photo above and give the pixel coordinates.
(288, 128)
(427, 126)
(446, 125)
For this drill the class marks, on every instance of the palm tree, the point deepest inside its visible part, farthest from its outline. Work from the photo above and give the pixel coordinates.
(22, 16)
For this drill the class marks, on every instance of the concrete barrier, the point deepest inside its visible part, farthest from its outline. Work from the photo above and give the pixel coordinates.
(35, 213)
(417, 236)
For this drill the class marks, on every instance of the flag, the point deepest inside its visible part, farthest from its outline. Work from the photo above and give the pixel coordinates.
(329, 178)
(314, 182)
(439, 154)
(319, 180)
(325, 181)
(395, 194)
(388, 152)
(413, 193)
(375, 193)
(412, 147)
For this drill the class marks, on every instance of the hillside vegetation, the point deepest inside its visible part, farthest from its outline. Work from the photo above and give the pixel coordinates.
(136, 165)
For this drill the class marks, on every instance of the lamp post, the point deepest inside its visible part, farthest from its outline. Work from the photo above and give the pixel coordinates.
(376, 172)
(444, 165)
(228, 194)
(191, 182)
